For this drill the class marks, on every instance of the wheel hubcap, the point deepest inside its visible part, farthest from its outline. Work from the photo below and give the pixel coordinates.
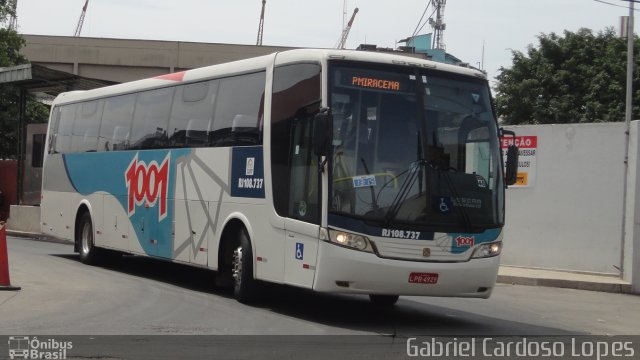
(237, 265)
(86, 238)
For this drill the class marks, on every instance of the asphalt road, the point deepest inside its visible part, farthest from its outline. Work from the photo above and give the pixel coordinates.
(139, 296)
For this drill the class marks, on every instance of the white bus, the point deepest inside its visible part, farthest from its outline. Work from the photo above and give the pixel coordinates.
(337, 171)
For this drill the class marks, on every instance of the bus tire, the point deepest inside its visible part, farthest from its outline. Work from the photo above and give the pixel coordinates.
(245, 287)
(384, 300)
(89, 254)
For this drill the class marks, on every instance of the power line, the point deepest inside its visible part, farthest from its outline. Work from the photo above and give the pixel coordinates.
(415, 32)
(616, 5)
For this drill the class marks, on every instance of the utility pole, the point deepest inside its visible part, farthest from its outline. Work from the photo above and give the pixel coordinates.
(438, 25)
(627, 119)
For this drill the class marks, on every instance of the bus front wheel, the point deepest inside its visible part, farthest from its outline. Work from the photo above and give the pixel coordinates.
(383, 300)
(244, 285)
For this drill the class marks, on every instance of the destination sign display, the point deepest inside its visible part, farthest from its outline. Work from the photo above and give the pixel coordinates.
(375, 80)
(375, 83)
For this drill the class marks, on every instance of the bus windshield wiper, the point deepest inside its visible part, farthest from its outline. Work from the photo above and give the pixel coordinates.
(374, 200)
(405, 188)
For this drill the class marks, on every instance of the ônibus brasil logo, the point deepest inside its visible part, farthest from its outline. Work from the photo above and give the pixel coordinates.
(147, 184)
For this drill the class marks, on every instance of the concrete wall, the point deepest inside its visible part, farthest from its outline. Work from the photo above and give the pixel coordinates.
(24, 218)
(571, 217)
(122, 60)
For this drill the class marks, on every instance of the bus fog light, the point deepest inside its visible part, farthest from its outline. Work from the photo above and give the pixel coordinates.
(353, 241)
(488, 250)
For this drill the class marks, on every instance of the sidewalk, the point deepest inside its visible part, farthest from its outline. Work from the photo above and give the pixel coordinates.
(506, 275)
(562, 279)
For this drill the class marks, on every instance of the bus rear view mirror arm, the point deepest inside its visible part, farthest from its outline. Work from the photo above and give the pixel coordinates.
(511, 168)
(322, 132)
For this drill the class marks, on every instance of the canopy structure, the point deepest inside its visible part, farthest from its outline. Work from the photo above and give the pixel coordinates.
(41, 79)
(44, 83)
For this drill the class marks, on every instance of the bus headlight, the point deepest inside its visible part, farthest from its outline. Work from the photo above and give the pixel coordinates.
(353, 241)
(487, 250)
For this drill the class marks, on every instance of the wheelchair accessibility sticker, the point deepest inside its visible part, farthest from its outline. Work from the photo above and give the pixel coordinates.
(299, 251)
(442, 204)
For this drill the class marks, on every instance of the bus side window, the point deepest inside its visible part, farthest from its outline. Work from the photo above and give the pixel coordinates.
(116, 123)
(65, 128)
(151, 118)
(53, 129)
(239, 96)
(191, 114)
(85, 128)
(296, 96)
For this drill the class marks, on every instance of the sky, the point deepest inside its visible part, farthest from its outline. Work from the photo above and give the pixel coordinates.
(499, 26)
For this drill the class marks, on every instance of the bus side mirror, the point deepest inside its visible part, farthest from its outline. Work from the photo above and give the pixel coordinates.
(511, 174)
(511, 171)
(322, 132)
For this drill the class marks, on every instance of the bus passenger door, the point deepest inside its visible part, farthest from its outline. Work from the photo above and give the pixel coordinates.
(302, 225)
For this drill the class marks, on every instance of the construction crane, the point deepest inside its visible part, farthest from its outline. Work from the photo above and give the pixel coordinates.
(81, 20)
(345, 33)
(261, 25)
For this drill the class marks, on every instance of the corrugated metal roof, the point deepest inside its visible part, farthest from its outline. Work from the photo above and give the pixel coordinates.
(38, 78)
(15, 73)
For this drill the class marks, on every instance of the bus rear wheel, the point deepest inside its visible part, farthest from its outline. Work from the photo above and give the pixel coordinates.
(384, 300)
(84, 236)
(245, 287)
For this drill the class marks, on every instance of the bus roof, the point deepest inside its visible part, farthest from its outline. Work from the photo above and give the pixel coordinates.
(256, 64)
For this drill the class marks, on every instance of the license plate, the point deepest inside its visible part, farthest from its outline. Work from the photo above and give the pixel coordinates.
(423, 278)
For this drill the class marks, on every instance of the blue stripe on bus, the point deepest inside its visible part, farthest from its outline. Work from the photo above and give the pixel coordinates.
(90, 173)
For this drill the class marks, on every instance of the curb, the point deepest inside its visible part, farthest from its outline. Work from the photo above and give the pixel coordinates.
(566, 284)
(36, 236)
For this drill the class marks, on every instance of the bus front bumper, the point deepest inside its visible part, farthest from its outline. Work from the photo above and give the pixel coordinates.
(344, 270)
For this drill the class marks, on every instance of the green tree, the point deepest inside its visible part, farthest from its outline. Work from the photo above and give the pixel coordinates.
(576, 78)
(10, 44)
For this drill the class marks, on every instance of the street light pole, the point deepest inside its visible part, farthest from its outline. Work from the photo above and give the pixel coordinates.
(630, 38)
(627, 119)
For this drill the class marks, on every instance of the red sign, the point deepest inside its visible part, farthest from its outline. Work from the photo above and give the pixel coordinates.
(522, 142)
(423, 278)
(146, 184)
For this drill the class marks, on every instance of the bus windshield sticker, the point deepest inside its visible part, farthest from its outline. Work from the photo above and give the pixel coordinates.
(302, 208)
(467, 202)
(364, 181)
(442, 204)
(482, 182)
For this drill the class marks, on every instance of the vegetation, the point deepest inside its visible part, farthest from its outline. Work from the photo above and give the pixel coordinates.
(576, 78)
(10, 44)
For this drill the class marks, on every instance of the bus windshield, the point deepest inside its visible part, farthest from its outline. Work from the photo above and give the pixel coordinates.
(414, 148)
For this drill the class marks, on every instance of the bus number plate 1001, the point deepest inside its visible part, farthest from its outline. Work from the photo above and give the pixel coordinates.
(423, 278)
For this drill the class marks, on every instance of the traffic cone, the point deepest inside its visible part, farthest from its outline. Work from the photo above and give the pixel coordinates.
(5, 283)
